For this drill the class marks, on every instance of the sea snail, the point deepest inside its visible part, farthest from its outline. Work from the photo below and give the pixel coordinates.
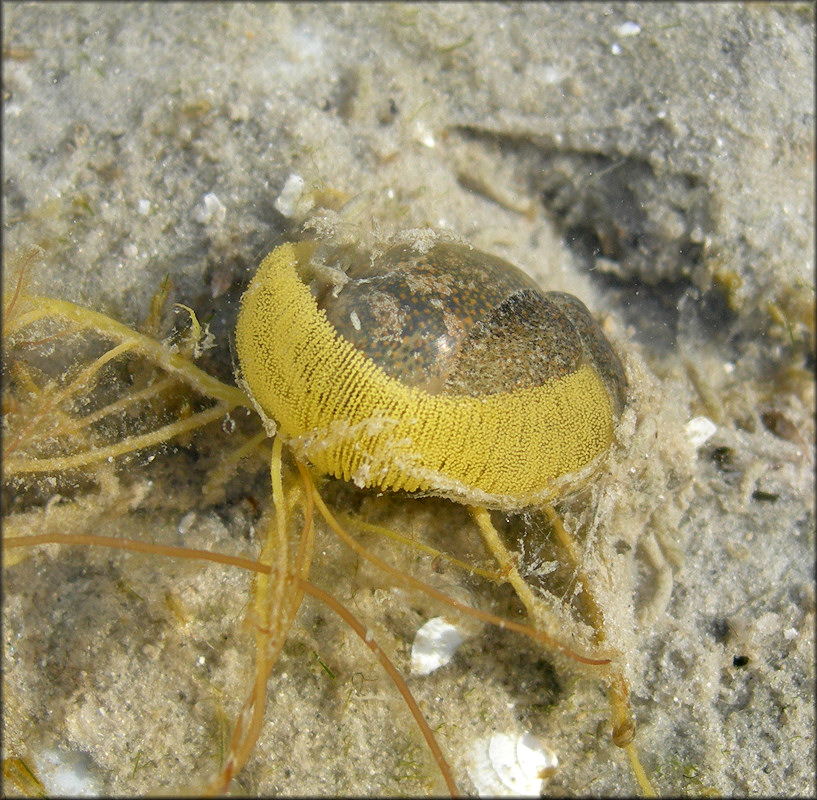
(437, 370)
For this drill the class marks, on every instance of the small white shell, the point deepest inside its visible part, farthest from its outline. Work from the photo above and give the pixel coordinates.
(434, 646)
(291, 194)
(211, 211)
(700, 430)
(511, 766)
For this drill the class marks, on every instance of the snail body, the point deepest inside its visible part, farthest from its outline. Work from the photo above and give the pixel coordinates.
(443, 371)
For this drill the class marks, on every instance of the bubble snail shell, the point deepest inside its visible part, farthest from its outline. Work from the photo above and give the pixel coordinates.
(438, 370)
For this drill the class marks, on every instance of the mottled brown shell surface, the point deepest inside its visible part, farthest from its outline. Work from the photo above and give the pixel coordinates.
(456, 321)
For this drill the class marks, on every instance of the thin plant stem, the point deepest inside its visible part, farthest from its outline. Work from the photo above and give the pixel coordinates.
(537, 635)
(158, 353)
(21, 464)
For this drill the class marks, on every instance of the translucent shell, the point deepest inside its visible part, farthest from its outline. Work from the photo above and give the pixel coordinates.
(444, 371)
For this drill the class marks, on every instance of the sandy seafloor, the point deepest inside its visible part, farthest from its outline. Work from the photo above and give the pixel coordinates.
(655, 160)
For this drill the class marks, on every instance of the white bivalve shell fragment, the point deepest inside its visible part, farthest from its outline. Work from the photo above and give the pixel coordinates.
(511, 766)
(434, 646)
